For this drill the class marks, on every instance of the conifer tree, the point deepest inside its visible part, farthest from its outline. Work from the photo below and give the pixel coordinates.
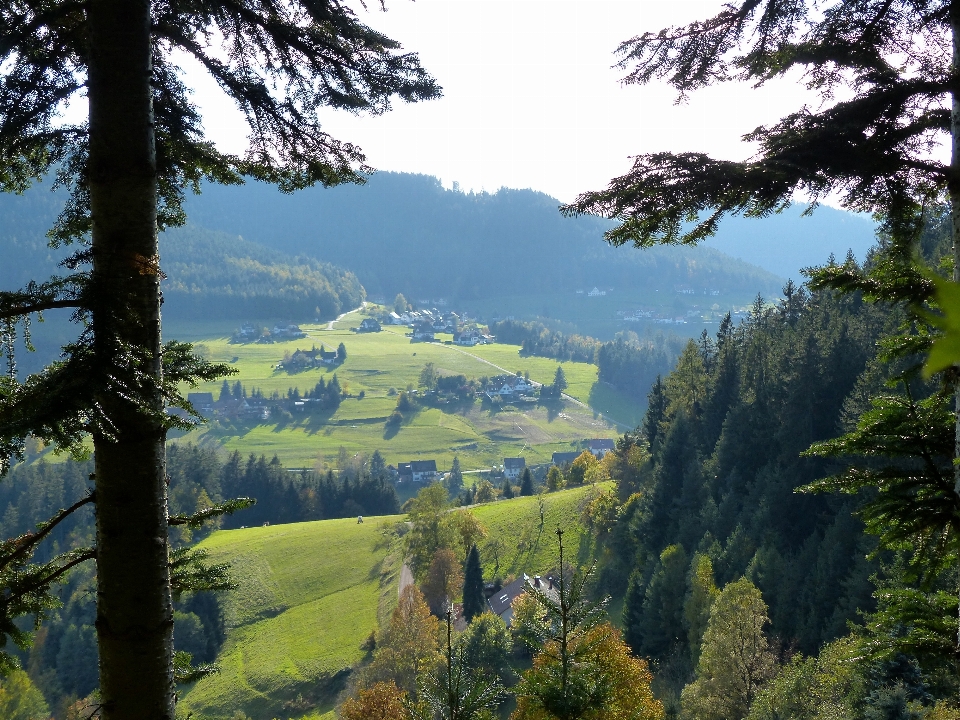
(455, 477)
(559, 381)
(126, 169)
(526, 483)
(473, 600)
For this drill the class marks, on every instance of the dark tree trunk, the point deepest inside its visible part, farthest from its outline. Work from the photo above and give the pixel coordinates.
(134, 609)
(954, 194)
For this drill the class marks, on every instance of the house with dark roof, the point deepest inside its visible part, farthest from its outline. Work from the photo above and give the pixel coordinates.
(404, 473)
(423, 470)
(202, 402)
(601, 446)
(369, 325)
(564, 458)
(513, 467)
(424, 332)
(501, 602)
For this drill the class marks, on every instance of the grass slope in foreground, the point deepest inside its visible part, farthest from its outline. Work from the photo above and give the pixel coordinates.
(377, 362)
(310, 593)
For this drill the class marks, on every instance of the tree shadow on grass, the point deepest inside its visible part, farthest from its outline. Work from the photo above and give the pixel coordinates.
(554, 407)
(390, 430)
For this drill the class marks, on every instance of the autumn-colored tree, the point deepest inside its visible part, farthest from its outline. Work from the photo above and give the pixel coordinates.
(468, 529)
(443, 582)
(381, 701)
(565, 681)
(814, 688)
(600, 471)
(408, 647)
(600, 510)
(696, 610)
(626, 681)
(735, 658)
(485, 492)
(20, 699)
(580, 466)
(430, 528)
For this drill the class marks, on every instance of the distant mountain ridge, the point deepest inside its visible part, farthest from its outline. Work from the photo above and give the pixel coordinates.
(406, 233)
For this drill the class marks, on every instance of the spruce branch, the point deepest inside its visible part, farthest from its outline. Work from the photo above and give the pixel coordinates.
(198, 518)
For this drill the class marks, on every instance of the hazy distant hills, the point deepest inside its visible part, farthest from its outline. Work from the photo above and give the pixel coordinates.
(403, 232)
(785, 243)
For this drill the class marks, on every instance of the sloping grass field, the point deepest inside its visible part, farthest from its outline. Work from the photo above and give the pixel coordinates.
(310, 594)
(380, 362)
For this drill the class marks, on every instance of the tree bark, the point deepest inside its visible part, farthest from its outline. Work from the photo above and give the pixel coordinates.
(954, 193)
(134, 608)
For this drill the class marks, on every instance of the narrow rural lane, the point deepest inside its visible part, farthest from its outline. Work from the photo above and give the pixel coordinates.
(406, 578)
(341, 316)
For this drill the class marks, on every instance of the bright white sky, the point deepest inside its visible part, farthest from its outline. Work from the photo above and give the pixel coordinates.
(530, 98)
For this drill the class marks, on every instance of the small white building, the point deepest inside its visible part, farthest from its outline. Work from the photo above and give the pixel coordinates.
(513, 467)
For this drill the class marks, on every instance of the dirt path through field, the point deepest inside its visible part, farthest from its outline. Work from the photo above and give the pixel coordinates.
(406, 578)
(341, 316)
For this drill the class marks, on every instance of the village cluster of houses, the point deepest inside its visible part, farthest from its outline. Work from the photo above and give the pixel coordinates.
(693, 315)
(249, 333)
(596, 292)
(687, 290)
(425, 471)
(425, 324)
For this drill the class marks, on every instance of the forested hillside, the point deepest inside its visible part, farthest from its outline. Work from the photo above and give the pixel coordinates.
(210, 275)
(406, 233)
(712, 484)
(725, 431)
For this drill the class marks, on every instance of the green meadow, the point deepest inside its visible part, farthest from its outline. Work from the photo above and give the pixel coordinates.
(381, 364)
(310, 593)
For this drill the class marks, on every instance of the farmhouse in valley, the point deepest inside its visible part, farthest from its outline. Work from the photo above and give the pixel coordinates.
(601, 446)
(419, 471)
(202, 402)
(513, 467)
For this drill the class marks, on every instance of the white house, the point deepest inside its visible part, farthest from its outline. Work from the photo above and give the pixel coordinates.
(468, 337)
(601, 447)
(513, 467)
(423, 470)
